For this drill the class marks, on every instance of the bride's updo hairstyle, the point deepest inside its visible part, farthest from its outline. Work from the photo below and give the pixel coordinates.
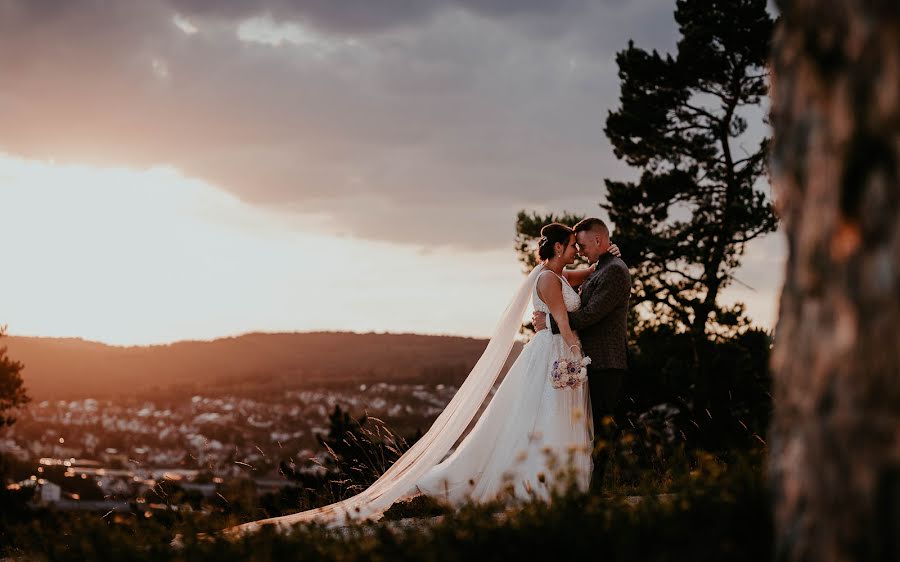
(550, 235)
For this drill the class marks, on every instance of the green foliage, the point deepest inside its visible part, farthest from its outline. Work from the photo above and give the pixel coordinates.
(14, 502)
(684, 225)
(359, 451)
(238, 497)
(727, 406)
(12, 389)
(721, 494)
(715, 511)
(418, 506)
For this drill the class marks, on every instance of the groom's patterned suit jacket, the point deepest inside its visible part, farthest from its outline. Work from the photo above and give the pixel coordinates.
(602, 320)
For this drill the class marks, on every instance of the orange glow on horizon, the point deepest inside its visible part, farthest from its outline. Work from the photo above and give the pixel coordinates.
(129, 257)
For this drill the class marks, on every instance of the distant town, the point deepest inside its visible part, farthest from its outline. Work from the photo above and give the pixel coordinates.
(113, 455)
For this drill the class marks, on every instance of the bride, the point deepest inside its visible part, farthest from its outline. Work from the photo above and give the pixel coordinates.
(528, 430)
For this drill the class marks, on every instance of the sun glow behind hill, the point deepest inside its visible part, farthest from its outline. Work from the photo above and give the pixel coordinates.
(128, 256)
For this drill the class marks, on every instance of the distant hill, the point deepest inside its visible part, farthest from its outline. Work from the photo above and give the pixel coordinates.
(57, 368)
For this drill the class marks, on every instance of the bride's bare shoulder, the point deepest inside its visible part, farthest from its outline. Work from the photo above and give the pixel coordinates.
(548, 276)
(548, 285)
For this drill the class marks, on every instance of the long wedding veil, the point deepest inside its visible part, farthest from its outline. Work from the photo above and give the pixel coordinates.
(400, 479)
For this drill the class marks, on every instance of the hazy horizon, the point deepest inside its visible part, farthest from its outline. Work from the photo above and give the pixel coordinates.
(251, 333)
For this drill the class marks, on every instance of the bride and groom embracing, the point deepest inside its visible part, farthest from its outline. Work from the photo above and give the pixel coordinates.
(529, 420)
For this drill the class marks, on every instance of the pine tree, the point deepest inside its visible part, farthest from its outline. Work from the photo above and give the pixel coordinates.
(685, 223)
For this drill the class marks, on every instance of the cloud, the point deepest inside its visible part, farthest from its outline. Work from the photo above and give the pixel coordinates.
(366, 17)
(425, 122)
(420, 122)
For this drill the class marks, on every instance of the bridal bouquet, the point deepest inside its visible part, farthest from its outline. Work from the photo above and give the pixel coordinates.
(569, 373)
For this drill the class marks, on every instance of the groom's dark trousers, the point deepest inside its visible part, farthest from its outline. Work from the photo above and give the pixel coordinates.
(605, 386)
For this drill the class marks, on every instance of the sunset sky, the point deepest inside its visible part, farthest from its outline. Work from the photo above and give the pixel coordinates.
(190, 169)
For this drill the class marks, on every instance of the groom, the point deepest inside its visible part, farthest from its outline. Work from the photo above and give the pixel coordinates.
(601, 325)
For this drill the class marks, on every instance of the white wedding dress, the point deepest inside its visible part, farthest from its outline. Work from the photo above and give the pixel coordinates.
(525, 424)
(530, 433)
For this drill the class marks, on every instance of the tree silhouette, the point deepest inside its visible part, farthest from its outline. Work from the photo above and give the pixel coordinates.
(12, 388)
(685, 223)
